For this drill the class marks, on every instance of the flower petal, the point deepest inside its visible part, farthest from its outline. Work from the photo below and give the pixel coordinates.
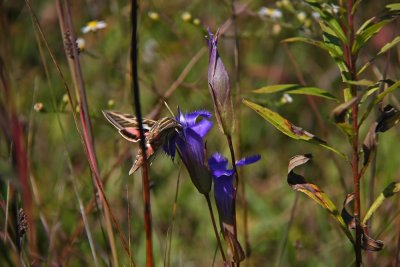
(191, 117)
(202, 127)
(217, 162)
(248, 160)
(191, 147)
(223, 193)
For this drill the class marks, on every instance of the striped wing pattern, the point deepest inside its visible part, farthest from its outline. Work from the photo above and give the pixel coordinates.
(156, 133)
(127, 125)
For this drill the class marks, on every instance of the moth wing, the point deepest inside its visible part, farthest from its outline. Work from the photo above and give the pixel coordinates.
(123, 120)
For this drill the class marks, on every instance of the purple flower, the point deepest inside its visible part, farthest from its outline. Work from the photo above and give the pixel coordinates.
(224, 192)
(191, 148)
(218, 83)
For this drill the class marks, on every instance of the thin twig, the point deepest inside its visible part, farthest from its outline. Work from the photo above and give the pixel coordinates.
(215, 227)
(136, 101)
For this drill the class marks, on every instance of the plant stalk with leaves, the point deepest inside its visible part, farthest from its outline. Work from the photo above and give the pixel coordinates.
(343, 43)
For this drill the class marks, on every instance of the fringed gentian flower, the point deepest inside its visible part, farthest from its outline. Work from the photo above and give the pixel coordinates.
(224, 197)
(191, 147)
(218, 83)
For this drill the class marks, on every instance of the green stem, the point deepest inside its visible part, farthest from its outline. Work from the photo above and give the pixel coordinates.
(215, 226)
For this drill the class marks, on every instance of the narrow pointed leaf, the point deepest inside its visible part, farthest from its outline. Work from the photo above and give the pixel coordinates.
(363, 82)
(393, 7)
(288, 128)
(363, 36)
(299, 183)
(316, 43)
(295, 89)
(388, 192)
(389, 45)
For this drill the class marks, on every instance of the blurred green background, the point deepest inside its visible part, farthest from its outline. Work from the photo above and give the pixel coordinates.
(169, 40)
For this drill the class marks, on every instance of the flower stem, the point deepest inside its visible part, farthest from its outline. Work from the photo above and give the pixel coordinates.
(233, 159)
(215, 226)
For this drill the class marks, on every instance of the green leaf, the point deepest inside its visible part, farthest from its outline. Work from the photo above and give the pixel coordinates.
(288, 128)
(389, 45)
(363, 36)
(295, 89)
(316, 43)
(299, 183)
(389, 191)
(393, 7)
(363, 82)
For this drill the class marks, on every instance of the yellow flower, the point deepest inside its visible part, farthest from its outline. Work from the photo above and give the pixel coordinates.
(153, 15)
(301, 16)
(196, 22)
(94, 25)
(186, 16)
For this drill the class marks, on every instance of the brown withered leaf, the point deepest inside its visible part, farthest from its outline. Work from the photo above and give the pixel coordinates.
(369, 143)
(367, 243)
(388, 118)
(298, 183)
(339, 113)
(370, 244)
(234, 248)
(347, 217)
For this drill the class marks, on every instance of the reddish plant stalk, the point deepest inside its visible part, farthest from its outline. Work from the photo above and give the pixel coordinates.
(351, 59)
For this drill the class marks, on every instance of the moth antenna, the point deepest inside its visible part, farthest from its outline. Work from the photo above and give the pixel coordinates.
(169, 109)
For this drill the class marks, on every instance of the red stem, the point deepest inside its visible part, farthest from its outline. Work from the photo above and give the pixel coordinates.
(351, 63)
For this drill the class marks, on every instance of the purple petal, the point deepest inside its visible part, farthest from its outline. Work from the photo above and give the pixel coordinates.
(191, 117)
(181, 117)
(202, 127)
(223, 193)
(191, 147)
(248, 160)
(219, 173)
(217, 162)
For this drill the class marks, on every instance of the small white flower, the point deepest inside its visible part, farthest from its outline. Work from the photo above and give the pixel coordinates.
(316, 15)
(38, 106)
(335, 8)
(270, 12)
(286, 98)
(94, 25)
(301, 16)
(153, 15)
(80, 42)
(186, 16)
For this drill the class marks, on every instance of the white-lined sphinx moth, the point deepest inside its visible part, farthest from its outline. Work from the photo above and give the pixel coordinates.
(156, 133)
